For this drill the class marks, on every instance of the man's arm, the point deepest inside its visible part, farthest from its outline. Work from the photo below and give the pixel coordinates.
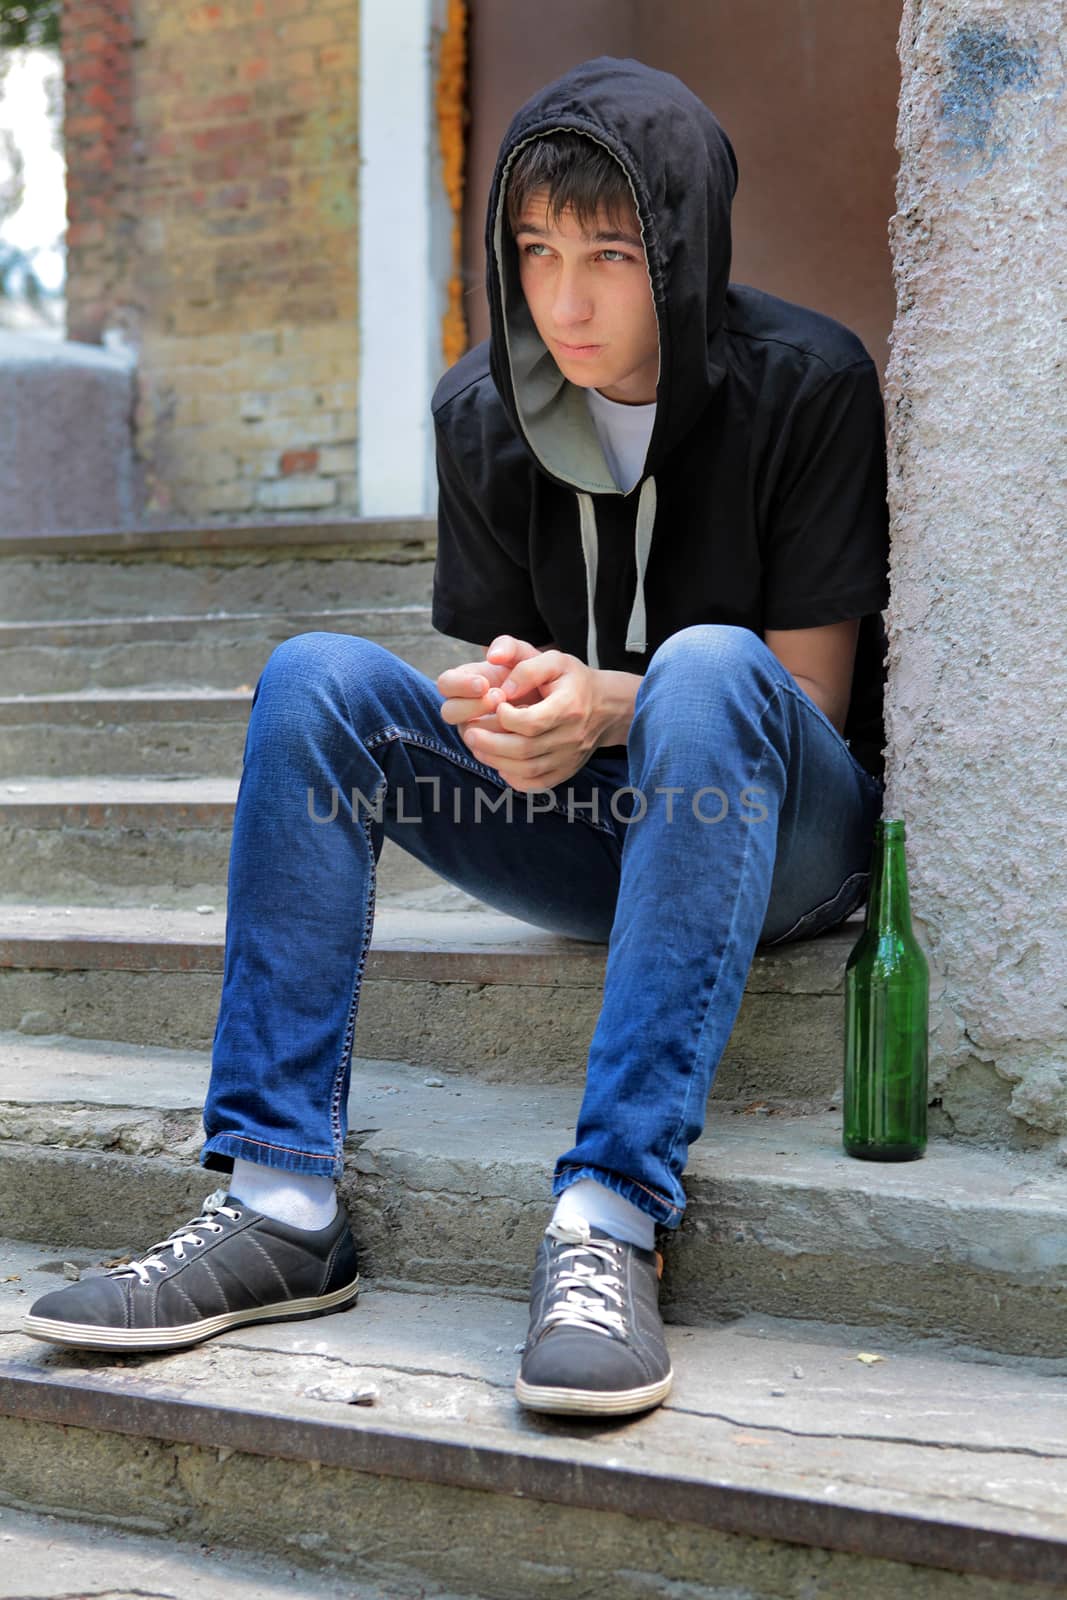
(827, 533)
(821, 661)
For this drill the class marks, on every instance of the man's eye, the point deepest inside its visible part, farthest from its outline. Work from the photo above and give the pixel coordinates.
(528, 249)
(618, 255)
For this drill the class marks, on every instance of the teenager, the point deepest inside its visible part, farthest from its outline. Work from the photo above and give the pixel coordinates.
(663, 518)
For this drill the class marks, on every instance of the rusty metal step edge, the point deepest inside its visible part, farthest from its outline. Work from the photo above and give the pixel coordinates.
(548, 1476)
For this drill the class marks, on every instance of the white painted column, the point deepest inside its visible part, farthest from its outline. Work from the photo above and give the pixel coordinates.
(403, 257)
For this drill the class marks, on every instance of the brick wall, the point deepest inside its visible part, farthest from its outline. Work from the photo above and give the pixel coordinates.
(98, 119)
(213, 169)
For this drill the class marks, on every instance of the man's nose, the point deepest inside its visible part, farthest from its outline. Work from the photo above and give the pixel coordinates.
(573, 302)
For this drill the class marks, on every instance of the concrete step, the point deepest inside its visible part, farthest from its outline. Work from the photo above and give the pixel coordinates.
(198, 651)
(139, 842)
(448, 1182)
(786, 1463)
(473, 989)
(154, 732)
(50, 1557)
(190, 570)
(157, 732)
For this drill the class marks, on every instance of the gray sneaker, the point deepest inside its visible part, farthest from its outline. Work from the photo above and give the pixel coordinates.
(227, 1267)
(595, 1345)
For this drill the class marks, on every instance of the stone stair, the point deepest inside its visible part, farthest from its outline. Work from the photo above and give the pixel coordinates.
(870, 1359)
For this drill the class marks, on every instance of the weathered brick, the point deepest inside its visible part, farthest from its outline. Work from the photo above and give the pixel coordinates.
(284, 433)
(339, 57)
(201, 19)
(296, 494)
(88, 124)
(298, 461)
(254, 407)
(193, 108)
(300, 64)
(225, 135)
(275, 188)
(311, 30)
(315, 399)
(337, 459)
(239, 495)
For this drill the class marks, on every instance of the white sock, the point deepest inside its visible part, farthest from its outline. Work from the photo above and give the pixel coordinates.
(302, 1199)
(602, 1208)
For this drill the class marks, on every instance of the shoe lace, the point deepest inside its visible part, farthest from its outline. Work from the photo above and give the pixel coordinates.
(188, 1233)
(586, 1289)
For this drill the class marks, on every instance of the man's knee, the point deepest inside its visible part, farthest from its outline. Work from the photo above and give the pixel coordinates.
(702, 664)
(708, 647)
(308, 665)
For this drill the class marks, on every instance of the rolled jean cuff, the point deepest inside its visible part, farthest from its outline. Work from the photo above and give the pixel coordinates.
(661, 1210)
(222, 1149)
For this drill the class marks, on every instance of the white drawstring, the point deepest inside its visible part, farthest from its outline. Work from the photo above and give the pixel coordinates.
(587, 520)
(637, 627)
(646, 516)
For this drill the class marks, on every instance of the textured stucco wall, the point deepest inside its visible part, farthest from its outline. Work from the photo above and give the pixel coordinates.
(976, 400)
(66, 436)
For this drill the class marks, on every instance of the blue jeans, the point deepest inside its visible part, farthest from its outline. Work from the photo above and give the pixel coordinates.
(740, 816)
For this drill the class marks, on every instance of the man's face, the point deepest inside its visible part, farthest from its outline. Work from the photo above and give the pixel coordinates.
(591, 300)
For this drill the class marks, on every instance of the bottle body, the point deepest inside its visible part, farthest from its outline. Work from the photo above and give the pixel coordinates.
(886, 1018)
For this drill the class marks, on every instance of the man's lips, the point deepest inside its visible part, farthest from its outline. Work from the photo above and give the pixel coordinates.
(578, 349)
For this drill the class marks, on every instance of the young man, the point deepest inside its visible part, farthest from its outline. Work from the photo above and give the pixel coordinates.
(663, 514)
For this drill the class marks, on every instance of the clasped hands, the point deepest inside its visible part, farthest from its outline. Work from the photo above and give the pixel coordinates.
(535, 716)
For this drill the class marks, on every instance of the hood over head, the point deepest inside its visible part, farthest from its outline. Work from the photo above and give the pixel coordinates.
(683, 175)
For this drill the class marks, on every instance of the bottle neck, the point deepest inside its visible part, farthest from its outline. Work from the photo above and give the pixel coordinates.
(888, 907)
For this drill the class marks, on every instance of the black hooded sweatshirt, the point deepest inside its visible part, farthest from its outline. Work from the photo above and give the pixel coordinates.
(762, 502)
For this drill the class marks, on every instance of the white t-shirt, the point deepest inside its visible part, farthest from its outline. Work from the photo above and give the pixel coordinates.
(624, 432)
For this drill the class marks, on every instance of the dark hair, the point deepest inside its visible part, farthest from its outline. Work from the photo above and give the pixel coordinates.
(579, 174)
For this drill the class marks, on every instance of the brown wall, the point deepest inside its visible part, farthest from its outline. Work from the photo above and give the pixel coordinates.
(807, 91)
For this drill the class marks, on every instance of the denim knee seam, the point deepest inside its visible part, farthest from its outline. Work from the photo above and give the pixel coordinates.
(421, 742)
(392, 732)
(809, 705)
(850, 901)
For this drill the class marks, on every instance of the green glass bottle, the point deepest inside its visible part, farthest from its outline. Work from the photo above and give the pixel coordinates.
(887, 995)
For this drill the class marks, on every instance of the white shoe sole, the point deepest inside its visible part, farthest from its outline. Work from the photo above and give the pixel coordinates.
(592, 1402)
(85, 1336)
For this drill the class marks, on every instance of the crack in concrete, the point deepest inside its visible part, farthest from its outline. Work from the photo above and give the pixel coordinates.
(770, 1429)
(872, 1438)
(958, 1501)
(482, 1381)
(123, 1593)
(381, 1366)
